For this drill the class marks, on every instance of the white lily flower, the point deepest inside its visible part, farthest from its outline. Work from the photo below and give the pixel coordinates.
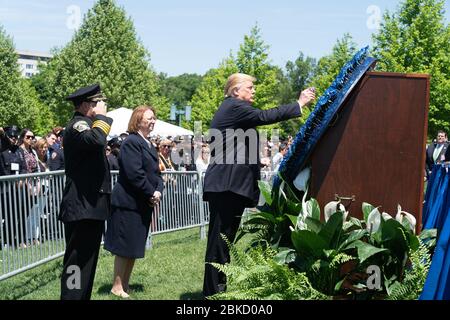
(374, 221)
(405, 215)
(331, 209)
(301, 181)
(386, 216)
(306, 207)
(342, 208)
(301, 225)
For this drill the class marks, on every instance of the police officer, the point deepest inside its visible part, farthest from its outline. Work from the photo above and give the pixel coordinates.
(86, 200)
(4, 141)
(112, 153)
(55, 154)
(11, 160)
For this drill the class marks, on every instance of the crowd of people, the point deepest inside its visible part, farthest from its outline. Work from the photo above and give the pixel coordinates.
(24, 153)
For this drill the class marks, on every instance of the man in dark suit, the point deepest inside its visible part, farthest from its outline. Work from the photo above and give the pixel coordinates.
(437, 151)
(231, 180)
(86, 200)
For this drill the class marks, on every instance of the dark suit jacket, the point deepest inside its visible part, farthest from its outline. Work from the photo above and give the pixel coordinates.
(242, 174)
(87, 192)
(139, 175)
(429, 158)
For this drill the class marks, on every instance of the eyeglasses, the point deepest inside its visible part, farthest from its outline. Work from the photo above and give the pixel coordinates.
(168, 147)
(108, 149)
(29, 137)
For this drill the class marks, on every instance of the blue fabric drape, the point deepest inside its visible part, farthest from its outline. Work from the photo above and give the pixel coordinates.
(436, 203)
(436, 216)
(430, 195)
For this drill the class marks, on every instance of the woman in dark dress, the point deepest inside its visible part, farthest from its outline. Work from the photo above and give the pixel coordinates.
(138, 190)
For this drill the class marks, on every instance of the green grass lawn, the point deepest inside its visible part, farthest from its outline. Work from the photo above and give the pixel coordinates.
(172, 270)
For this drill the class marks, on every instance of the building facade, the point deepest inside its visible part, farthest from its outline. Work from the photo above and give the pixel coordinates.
(29, 61)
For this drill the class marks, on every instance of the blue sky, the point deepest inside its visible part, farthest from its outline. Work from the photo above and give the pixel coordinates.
(194, 36)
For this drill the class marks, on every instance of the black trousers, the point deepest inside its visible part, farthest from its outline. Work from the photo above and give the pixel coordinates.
(226, 210)
(83, 240)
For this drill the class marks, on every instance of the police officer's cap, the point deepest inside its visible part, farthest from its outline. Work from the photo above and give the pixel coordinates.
(12, 132)
(115, 142)
(90, 93)
(61, 133)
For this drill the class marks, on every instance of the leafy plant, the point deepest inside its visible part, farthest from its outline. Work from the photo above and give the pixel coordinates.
(415, 276)
(335, 253)
(256, 275)
(271, 225)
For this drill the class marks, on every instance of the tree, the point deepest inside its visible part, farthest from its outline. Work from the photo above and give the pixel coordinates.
(416, 39)
(104, 50)
(253, 59)
(19, 103)
(298, 75)
(180, 89)
(329, 66)
(210, 94)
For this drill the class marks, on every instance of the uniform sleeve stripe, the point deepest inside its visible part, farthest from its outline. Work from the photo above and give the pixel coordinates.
(105, 127)
(101, 125)
(105, 130)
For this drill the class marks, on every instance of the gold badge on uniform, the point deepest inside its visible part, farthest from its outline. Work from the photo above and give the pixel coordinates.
(81, 126)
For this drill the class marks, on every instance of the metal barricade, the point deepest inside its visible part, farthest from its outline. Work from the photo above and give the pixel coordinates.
(31, 235)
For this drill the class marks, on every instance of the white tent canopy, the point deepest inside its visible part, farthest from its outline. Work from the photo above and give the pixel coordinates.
(122, 116)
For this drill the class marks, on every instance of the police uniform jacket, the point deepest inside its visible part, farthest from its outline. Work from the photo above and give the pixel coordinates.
(4, 143)
(242, 174)
(88, 179)
(113, 162)
(56, 160)
(139, 175)
(12, 162)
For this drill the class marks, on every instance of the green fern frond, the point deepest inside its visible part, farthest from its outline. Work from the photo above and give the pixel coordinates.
(415, 276)
(340, 259)
(254, 275)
